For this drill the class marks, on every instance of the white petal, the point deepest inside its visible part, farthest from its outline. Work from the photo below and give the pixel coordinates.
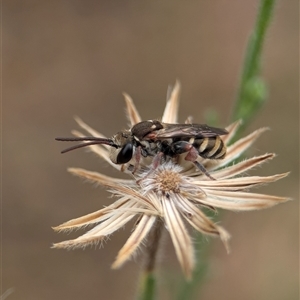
(135, 240)
(180, 237)
(232, 129)
(170, 114)
(108, 226)
(99, 232)
(238, 184)
(101, 178)
(201, 222)
(242, 167)
(94, 217)
(132, 112)
(240, 201)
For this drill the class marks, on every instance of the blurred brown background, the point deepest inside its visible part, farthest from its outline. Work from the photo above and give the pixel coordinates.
(66, 58)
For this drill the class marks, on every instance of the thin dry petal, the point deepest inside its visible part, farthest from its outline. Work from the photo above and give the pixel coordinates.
(117, 187)
(114, 223)
(201, 222)
(101, 178)
(98, 233)
(156, 200)
(232, 129)
(132, 112)
(170, 114)
(94, 217)
(242, 166)
(241, 183)
(240, 201)
(135, 240)
(180, 237)
(78, 243)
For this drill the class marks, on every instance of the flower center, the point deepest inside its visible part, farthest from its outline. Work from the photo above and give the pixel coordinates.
(168, 181)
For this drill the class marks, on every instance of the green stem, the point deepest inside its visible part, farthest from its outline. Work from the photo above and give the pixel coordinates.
(252, 94)
(148, 281)
(148, 287)
(188, 289)
(252, 91)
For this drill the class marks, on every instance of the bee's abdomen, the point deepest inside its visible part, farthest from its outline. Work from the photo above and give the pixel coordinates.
(211, 147)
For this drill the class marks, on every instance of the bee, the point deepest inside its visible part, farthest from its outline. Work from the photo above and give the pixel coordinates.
(160, 141)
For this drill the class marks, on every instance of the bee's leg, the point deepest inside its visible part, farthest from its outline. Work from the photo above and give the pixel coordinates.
(192, 155)
(137, 155)
(156, 161)
(202, 169)
(155, 164)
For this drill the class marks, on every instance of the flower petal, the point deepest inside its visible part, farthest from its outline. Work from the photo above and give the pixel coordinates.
(232, 129)
(101, 178)
(242, 166)
(80, 242)
(116, 186)
(92, 218)
(135, 240)
(241, 201)
(132, 112)
(99, 232)
(180, 237)
(201, 222)
(117, 220)
(238, 184)
(170, 114)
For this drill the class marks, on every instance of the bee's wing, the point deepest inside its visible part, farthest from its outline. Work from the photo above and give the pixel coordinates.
(188, 130)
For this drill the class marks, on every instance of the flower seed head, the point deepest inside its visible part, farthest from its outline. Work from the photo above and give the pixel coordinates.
(165, 180)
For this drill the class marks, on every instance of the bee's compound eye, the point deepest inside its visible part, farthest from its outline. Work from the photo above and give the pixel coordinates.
(125, 154)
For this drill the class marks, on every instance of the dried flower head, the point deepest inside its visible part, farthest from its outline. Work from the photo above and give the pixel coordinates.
(174, 194)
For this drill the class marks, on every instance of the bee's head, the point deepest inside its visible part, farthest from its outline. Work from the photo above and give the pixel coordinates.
(123, 153)
(121, 144)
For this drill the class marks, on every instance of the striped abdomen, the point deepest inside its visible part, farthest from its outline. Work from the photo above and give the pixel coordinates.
(210, 147)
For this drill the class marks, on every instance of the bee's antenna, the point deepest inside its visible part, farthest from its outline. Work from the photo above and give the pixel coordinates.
(93, 141)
